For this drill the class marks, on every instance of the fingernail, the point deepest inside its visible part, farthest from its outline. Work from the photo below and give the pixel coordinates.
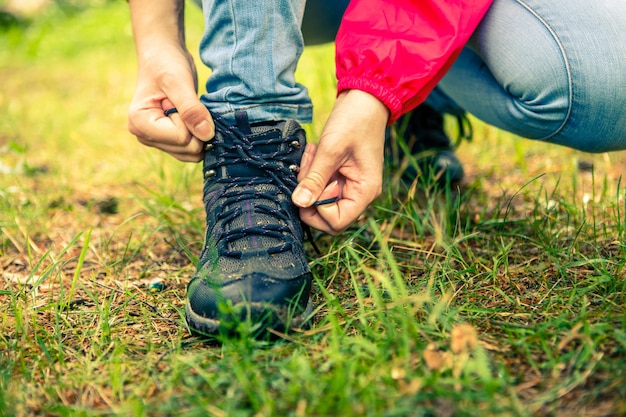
(203, 130)
(331, 187)
(302, 197)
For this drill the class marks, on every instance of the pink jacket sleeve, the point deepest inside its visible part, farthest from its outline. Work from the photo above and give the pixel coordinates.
(398, 50)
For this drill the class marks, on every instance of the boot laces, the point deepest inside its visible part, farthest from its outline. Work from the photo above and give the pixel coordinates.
(277, 172)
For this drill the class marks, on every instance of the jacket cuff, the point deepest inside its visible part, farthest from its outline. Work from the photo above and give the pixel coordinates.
(389, 99)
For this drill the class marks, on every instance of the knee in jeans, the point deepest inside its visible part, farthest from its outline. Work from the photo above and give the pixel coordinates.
(543, 115)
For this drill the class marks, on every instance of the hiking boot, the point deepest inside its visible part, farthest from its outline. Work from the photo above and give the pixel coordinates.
(253, 264)
(424, 136)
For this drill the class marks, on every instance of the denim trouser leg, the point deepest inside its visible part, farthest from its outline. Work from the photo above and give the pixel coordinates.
(552, 70)
(252, 48)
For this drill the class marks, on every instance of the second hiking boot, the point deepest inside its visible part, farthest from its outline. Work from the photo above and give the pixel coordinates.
(424, 135)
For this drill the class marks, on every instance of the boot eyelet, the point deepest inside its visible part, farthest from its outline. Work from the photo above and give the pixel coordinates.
(294, 168)
(295, 144)
(209, 146)
(210, 173)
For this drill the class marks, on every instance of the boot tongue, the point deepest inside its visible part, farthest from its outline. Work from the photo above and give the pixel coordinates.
(241, 118)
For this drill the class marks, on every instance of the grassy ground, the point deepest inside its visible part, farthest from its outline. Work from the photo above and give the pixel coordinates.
(506, 298)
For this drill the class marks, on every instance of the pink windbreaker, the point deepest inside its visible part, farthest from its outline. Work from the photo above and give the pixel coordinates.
(398, 50)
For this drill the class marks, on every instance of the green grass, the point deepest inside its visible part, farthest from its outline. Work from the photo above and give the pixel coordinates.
(503, 298)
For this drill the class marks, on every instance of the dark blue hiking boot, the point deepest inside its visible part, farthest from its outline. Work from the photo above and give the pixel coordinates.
(431, 153)
(252, 266)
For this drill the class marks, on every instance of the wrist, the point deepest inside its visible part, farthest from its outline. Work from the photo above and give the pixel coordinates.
(162, 53)
(364, 103)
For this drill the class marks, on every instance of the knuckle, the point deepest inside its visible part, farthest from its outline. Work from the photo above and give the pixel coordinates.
(183, 138)
(187, 158)
(334, 232)
(337, 229)
(132, 129)
(315, 180)
(195, 147)
(135, 131)
(192, 111)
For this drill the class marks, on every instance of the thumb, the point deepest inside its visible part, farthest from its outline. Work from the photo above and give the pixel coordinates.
(314, 181)
(192, 112)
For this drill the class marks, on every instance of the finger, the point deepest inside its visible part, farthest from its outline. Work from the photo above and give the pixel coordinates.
(332, 191)
(335, 217)
(193, 113)
(311, 217)
(184, 157)
(192, 148)
(166, 104)
(323, 167)
(340, 215)
(307, 160)
(325, 214)
(150, 125)
(330, 195)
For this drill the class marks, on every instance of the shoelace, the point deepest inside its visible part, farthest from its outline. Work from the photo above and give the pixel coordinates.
(278, 173)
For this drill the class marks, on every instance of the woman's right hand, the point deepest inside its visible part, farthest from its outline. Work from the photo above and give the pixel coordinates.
(165, 81)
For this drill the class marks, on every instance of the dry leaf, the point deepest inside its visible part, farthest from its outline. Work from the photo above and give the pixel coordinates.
(463, 338)
(437, 360)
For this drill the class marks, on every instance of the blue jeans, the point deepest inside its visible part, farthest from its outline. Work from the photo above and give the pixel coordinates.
(551, 70)
(252, 48)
